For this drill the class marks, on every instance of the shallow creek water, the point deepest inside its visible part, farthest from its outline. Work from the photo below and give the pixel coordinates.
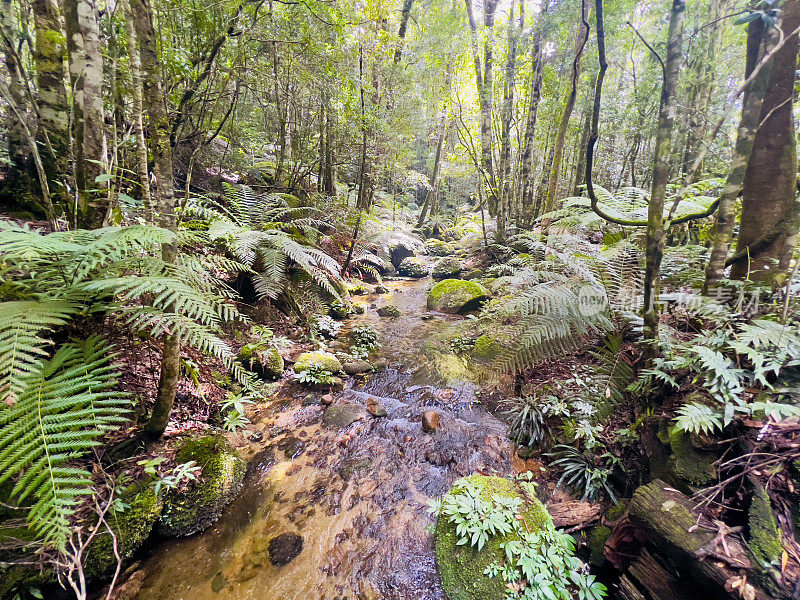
(358, 496)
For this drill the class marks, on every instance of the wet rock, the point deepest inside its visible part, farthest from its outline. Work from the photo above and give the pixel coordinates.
(431, 420)
(327, 399)
(400, 250)
(265, 362)
(375, 408)
(341, 416)
(357, 367)
(457, 296)
(219, 583)
(389, 311)
(291, 447)
(201, 505)
(413, 266)
(284, 548)
(309, 400)
(256, 436)
(380, 365)
(380, 289)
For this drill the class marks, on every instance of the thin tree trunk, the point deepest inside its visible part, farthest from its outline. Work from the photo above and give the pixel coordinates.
(434, 180)
(580, 172)
(161, 150)
(558, 149)
(663, 148)
(530, 127)
(401, 34)
(18, 148)
(142, 169)
(505, 126)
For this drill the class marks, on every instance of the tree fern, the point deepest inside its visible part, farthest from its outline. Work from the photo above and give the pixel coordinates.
(65, 404)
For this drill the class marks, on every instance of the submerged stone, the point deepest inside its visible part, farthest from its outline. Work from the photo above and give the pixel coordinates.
(284, 548)
(341, 416)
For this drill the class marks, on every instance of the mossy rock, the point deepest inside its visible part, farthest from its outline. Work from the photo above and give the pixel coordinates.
(202, 503)
(436, 247)
(266, 362)
(461, 568)
(473, 274)
(340, 309)
(324, 360)
(446, 268)
(413, 266)
(457, 296)
(597, 544)
(291, 200)
(765, 537)
(687, 463)
(486, 349)
(131, 527)
(399, 251)
(389, 311)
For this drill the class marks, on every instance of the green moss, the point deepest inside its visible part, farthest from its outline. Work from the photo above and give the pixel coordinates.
(689, 464)
(267, 362)
(486, 348)
(437, 247)
(339, 309)
(389, 311)
(456, 295)
(202, 503)
(131, 528)
(461, 568)
(765, 537)
(290, 200)
(597, 544)
(325, 360)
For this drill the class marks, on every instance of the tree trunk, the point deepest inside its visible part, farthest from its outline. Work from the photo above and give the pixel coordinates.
(580, 171)
(142, 169)
(558, 149)
(161, 151)
(52, 98)
(401, 34)
(530, 127)
(505, 126)
(18, 149)
(86, 75)
(485, 83)
(769, 207)
(663, 147)
(434, 180)
(759, 43)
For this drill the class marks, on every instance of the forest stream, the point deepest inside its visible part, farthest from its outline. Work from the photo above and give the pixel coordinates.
(354, 487)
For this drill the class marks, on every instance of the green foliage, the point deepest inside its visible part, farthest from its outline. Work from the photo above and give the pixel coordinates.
(535, 561)
(62, 408)
(526, 420)
(586, 472)
(316, 374)
(233, 410)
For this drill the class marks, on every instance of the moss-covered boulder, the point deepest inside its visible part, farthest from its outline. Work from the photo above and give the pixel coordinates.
(389, 311)
(266, 362)
(202, 503)
(131, 527)
(765, 537)
(446, 268)
(457, 296)
(461, 567)
(689, 464)
(322, 360)
(413, 266)
(436, 247)
(486, 349)
(340, 309)
(399, 250)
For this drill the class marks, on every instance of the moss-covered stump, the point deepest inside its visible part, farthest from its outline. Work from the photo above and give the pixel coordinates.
(266, 362)
(457, 296)
(131, 527)
(202, 503)
(765, 537)
(323, 360)
(689, 464)
(446, 268)
(461, 568)
(413, 266)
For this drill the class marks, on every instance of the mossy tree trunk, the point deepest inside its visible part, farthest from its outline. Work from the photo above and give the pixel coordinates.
(537, 71)
(663, 152)
(53, 105)
(161, 150)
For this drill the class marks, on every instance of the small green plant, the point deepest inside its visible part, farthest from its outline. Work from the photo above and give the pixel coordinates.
(234, 412)
(365, 336)
(316, 375)
(586, 472)
(325, 327)
(462, 344)
(526, 420)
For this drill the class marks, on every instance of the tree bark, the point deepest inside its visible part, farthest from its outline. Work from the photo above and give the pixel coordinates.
(161, 151)
(663, 146)
(18, 149)
(558, 148)
(769, 206)
(401, 33)
(530, 127)
(505, 125)
(52, 97)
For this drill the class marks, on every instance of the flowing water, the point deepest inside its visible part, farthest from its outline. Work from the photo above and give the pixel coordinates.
(358, 496)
